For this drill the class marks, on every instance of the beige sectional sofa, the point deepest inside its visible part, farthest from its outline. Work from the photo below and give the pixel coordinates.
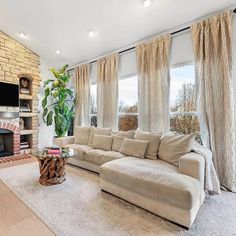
(158, 173)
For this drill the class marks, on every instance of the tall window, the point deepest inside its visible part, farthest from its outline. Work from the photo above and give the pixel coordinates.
(184, 118)
(128, 103)
(93, 104)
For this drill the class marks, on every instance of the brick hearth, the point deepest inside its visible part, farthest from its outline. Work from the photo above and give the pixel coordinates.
(16, 135)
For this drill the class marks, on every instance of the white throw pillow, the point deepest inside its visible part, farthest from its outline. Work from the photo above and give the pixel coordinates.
(81, 135)
(102, 142)
(173, 147)
(136, 148)
(101, 131)
(154, 142)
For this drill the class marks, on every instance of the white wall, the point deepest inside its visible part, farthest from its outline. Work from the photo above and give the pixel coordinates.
(46, 133)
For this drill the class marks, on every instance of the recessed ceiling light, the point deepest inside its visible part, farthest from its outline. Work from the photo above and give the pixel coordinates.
(91, 33)
(58, 51)
(147, 3)
(22, 34)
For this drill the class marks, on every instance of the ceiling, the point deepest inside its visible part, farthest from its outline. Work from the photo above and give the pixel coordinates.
(64, 24)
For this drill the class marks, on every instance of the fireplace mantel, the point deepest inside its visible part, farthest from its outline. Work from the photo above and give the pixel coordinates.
(9, 115)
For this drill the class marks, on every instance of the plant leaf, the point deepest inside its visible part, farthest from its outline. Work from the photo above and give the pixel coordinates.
(49, 118)
(47, 82)
(63, 69)
(56, 74)
(45, 112)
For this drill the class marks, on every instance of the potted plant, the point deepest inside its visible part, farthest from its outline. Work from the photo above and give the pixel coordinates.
(59, 101)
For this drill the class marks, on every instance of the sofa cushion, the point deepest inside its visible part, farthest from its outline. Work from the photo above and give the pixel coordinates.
(99, 157)
(173, 147)
(136, 148)
(153, 145)
(117, 142)
(155, 179)
(118, 138)
(102, 142)
(81, 135)
(80, 149)
(125, 134)
(101, 131)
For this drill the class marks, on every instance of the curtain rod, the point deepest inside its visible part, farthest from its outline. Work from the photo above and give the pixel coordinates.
(131, 48)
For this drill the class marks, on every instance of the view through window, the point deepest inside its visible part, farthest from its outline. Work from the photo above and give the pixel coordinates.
(184, 118)
(128, 103)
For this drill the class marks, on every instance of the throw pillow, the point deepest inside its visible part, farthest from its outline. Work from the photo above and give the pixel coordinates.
(101, 131)
(117, 142)
(173, 147)
(118, 138)
(136, 148)
(154, 142)
(81, 135)
(102, 142)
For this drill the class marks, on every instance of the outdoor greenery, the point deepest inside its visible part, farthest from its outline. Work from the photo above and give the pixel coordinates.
(184, 119)
(59, 102)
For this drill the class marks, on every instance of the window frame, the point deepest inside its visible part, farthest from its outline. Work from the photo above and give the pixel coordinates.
(92, 114)
(122, 78)
(183, 113)
(123, 114)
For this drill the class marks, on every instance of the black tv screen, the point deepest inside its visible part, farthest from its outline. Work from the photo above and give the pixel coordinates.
(9, 95)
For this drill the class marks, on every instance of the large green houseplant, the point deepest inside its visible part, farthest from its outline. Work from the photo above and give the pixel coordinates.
(59, 101)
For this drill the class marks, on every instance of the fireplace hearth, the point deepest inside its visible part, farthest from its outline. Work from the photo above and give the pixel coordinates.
(6, 143)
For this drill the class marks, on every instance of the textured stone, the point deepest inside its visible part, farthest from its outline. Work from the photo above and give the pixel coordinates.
(17, 61)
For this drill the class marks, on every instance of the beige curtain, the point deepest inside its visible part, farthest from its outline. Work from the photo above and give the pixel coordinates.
(212, 41)
(107, 91)
(82, 96)
(154, 80)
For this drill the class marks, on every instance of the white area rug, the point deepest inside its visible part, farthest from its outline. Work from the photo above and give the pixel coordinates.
(78, 207)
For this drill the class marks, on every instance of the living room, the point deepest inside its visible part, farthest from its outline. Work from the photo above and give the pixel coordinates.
(117, 117)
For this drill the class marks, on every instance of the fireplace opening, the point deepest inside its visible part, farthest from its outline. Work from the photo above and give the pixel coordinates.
(6, 143)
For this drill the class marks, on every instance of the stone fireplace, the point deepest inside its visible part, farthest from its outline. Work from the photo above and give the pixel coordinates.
(18, 64)
(6, 143)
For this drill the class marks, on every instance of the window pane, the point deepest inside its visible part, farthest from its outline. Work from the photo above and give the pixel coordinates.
(184, 118)
(182, 89)
(128, 103)
(93, 105)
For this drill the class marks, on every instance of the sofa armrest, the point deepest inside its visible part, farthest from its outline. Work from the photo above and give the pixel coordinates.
(193, 165)
(63, 141)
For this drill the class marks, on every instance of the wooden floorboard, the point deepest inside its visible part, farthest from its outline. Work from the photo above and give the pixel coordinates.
(16, 219)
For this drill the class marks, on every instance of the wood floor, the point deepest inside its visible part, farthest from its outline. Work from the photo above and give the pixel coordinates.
(16, 219)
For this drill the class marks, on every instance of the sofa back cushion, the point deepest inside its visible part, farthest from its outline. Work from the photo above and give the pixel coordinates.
(81, 135)
(125, 134)
(102, 142)
(173, 147)
(100, 131)
(118, 138)
(153, 145)
(135, 148)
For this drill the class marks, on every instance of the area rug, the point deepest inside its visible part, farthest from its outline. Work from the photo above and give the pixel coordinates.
(14, 158)
(79, 207)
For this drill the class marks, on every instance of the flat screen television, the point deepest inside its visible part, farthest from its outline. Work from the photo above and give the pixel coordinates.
(9, 95)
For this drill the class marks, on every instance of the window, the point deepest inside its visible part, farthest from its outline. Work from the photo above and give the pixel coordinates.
(128, 103)
(184, 118)
(93, 104)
